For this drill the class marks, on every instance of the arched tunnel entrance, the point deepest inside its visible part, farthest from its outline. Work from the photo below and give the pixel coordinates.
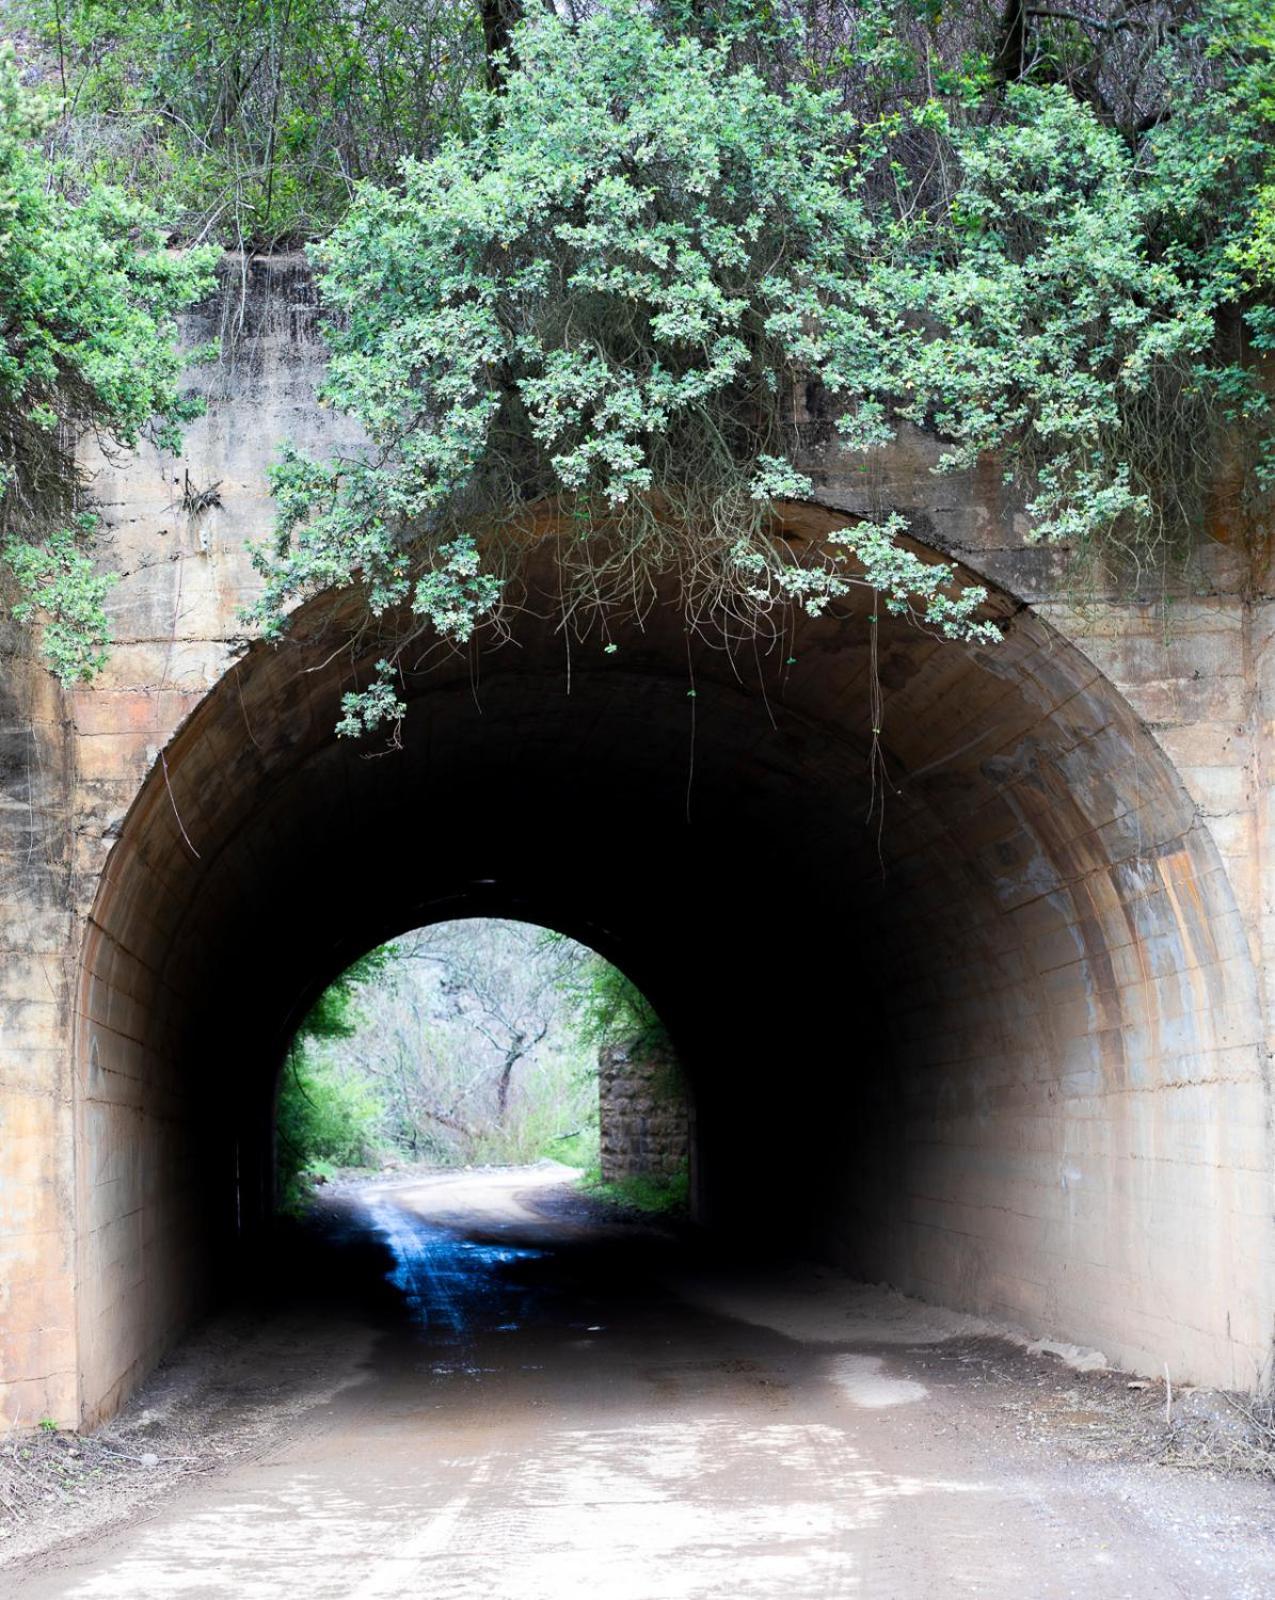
(995, 1035)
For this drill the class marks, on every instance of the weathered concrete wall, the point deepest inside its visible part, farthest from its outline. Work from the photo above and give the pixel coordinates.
(1076, 1069)
(1029, 1003)
(643, 1121)
(145, 1205)
(37, 1143)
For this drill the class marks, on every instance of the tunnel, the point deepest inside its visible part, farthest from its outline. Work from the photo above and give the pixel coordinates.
(973, 1015)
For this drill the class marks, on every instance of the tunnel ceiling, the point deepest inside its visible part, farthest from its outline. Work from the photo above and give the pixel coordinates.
(599, 792)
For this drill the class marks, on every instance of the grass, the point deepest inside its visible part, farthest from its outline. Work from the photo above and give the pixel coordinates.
(578, 1149)
(657, 1196)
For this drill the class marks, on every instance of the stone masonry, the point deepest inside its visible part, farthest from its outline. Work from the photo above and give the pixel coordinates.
(643, 1123)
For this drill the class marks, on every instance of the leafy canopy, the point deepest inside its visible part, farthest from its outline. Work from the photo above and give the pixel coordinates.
(606, 1007)
(606, 299)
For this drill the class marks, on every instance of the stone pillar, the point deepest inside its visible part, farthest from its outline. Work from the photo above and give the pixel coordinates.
(643, 1123)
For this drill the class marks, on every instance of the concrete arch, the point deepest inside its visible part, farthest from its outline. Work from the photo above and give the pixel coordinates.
(1000, 1044)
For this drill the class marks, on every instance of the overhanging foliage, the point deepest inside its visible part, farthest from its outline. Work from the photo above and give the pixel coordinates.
(629, 268)
(617, 294)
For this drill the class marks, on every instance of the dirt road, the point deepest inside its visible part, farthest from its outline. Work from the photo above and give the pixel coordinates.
(542, 1408)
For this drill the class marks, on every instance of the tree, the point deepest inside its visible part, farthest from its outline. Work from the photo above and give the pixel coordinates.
(324, 1115)
(606, 1007)
(463, 1040)
(501, 982)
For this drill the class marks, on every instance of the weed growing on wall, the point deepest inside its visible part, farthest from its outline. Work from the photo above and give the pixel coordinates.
(88, 297)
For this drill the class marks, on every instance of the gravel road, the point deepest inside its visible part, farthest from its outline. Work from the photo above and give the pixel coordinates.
(521, 1400)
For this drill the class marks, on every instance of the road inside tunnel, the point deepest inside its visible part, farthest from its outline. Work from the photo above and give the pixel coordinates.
(542, 1399)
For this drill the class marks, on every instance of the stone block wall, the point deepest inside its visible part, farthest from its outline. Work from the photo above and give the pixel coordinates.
(644, 1121)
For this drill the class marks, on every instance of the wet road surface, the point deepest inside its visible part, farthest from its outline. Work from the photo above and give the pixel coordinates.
(554, 1411)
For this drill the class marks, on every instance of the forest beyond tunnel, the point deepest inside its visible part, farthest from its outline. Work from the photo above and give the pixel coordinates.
(994, 1036)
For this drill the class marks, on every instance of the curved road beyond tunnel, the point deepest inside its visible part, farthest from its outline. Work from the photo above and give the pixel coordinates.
(557, 1406)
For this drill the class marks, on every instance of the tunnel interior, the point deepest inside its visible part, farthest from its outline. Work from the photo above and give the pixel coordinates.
(976, 1020)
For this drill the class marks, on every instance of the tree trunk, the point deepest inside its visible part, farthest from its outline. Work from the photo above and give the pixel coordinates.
(512, 1057)
(500, 18)
(1007, 63)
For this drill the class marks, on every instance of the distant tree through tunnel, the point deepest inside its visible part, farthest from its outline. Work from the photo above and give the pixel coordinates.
(478, 1042)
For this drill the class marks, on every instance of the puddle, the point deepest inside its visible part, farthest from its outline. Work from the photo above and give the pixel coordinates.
(449, 1284)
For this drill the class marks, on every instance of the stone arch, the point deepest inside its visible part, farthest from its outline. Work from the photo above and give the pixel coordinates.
(998, 1043)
